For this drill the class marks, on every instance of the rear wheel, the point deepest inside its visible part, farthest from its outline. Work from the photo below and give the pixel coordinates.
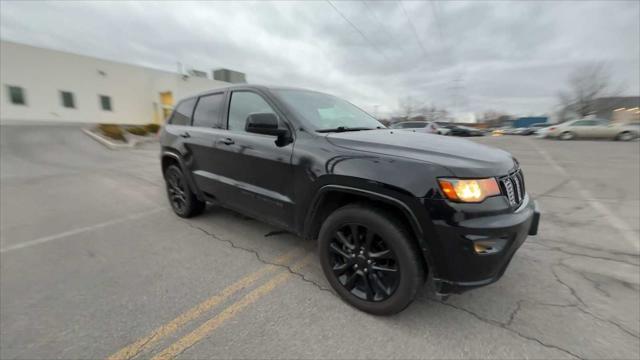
(183, 201)
(370, 259)
(567, 135)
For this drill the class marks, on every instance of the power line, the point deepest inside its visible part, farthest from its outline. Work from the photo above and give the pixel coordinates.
(377, 20)
(435, 11)
(358, 30)
(413, 28)
(459, 100)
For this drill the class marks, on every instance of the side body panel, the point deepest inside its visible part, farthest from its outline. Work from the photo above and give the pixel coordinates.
(253, 175)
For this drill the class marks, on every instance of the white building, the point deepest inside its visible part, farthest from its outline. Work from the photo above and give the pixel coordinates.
(48, 85)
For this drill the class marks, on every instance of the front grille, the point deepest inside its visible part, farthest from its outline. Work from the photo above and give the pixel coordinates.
(513, 187)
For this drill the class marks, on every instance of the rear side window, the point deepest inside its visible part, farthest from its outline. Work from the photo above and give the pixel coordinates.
(182, 113)
(208, 111)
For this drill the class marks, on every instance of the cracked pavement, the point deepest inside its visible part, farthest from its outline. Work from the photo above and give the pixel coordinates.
(86, 291)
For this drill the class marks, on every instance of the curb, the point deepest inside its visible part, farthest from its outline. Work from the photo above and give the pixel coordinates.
(107, 143)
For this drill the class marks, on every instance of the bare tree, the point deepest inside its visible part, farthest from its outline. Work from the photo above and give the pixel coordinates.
(490, 115)
(407, 107)
(410, 108)
(586, 84)
(433, 113)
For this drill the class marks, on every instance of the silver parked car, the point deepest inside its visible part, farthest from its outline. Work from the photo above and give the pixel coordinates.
(421, 126)
(592, 129)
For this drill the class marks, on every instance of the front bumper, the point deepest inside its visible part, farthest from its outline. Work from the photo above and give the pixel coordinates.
(476, 250)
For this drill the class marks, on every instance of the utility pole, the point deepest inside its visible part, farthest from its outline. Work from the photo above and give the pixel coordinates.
(457, 94)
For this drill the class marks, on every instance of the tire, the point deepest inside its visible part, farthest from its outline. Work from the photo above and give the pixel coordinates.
(183, 201)
(567, 135)
(625, 136)
(376, 289)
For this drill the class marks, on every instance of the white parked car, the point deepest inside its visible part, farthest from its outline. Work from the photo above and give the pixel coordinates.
(592, 129)
(421, 126)
(543, 132)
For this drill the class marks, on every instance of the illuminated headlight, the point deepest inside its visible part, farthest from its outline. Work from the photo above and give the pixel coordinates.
(469, 190)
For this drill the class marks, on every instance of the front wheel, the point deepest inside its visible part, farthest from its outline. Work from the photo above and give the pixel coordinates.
(370, 259)
(567, 135)
(625, 136)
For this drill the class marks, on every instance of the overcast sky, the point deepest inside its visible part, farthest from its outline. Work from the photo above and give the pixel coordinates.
(466, 56)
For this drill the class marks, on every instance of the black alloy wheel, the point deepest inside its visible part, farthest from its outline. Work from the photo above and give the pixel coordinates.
(363, 263)
(370, 258)
(176, 190)
(183, 201)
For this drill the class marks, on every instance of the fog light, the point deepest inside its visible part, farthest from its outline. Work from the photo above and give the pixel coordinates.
(488, 246)
(483, 248)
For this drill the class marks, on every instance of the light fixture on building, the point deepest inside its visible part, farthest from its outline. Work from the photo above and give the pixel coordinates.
(633, 109)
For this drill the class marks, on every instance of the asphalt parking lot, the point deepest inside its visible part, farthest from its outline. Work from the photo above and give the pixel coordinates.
(94, 265)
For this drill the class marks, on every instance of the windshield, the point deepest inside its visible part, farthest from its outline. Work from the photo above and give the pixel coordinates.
(322, 111)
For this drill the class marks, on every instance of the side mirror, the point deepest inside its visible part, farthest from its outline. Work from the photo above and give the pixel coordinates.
(263, 123)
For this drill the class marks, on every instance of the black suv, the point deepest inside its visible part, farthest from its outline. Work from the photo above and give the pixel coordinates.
(390, 209)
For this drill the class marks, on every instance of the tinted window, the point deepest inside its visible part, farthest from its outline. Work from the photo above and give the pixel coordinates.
(242, 104)
(182, 113)
(207, 112)
(585, 123)
(105, 102)
(67, 99)
(414, 125)
(16, 95)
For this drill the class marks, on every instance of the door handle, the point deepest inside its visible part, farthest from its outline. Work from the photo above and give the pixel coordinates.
(227, 141)
(185, 135)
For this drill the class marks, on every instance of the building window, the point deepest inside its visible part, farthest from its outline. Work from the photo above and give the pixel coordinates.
(105, 102)
(16, 95)
(67, 99)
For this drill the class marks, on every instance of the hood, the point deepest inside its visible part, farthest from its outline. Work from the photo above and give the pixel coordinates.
(462, 157)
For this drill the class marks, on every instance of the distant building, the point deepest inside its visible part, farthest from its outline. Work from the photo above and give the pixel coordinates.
(615, 108)
(49, 85)
(234, 77)
(527, 121)
(197, 73)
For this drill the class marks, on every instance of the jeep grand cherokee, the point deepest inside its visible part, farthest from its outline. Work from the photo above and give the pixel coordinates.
(390, 209)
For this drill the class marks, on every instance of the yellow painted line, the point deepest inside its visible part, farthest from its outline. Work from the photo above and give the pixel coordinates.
(231, 311)
(169, 328)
